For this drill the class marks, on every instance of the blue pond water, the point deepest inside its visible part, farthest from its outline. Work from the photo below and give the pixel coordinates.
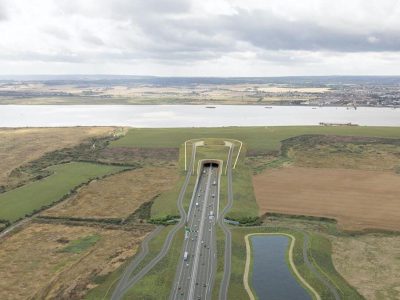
(272, 278)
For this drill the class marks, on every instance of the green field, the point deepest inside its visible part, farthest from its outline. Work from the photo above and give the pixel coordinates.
(80, 245)
(245, 208)
(31, 197)
(256, 138)
(166, 203)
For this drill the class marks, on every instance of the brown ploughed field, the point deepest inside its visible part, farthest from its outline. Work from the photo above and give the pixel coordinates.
(357, 199)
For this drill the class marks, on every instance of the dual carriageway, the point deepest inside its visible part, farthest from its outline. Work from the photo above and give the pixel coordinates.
(196, 269)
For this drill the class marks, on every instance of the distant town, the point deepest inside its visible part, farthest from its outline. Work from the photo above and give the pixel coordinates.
(346, 91)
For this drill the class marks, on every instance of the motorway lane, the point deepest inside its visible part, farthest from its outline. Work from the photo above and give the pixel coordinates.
(195, 275)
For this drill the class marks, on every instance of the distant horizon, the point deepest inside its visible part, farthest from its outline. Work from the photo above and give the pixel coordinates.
(6, 76)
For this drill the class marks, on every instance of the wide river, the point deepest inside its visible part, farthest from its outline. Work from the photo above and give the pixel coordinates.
(190, 115)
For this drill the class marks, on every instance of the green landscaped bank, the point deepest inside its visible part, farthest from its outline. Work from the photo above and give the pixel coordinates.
(244, 208)
(31, 197)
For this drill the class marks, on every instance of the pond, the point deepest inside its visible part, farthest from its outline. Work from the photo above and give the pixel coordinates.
(272, 278)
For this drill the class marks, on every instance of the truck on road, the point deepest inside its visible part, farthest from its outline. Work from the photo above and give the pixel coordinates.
(185, 256)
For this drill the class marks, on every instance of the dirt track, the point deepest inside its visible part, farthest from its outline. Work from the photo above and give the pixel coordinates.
(357, 199)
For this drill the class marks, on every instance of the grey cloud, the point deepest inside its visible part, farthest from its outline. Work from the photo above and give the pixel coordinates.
(170, 32)
(124, 9)
(56, 32)
(3, 12)
(60, 56)
(181, 37)
(267, 31)
(92, 39)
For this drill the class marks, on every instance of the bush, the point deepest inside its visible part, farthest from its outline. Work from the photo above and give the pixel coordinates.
(167, 220)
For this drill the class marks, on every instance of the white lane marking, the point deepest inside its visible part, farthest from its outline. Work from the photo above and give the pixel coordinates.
(187, 244)
(237, 157)
(210, 246)
(200, 235)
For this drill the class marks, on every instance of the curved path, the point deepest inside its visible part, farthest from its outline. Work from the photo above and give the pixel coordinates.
(292, 265)
(135, 262)
(324, 281)
(223, 292)
(126, 282)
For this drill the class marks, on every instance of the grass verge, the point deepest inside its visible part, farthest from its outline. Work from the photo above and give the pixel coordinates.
(161, 276)
(220, 263)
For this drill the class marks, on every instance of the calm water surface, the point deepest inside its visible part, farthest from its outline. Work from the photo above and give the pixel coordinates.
(272, 278)
(189, 115)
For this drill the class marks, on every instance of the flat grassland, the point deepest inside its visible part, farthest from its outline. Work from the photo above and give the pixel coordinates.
(116, 196)
(363, 153)
(20, 146)
(371, 263)
(358, 199)
(24, 200)
(62, 262)
(262, 139)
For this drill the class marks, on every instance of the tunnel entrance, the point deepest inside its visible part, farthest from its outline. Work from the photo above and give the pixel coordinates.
(207, 163)
(211, 164)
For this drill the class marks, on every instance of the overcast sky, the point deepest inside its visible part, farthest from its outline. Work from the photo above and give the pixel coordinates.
(200, 37)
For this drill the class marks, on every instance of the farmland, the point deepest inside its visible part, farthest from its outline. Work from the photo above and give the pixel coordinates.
(20, 146)
(341, 177)
(31, 197)
(116, 196)
(357, 199)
